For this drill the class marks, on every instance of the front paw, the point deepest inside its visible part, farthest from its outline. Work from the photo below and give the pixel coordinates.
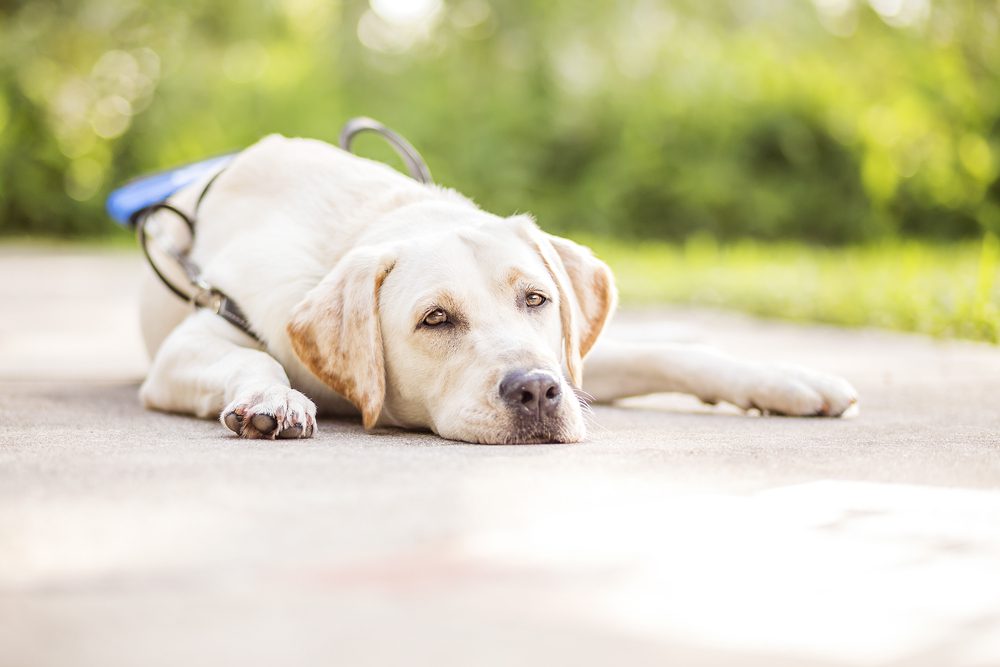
(277, 412)
(796, 391)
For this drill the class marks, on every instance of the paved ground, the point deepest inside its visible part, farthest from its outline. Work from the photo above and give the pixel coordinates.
(678, 534)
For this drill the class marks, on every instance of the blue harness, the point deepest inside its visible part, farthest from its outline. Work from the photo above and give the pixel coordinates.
(132, 204)
(125, 203)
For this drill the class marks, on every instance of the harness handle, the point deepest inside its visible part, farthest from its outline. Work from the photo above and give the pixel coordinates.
(411, 157)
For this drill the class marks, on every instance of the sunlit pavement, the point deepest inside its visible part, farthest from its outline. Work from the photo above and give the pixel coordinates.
(678, 534)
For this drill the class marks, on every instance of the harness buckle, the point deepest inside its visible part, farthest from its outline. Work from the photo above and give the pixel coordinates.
(206, 296)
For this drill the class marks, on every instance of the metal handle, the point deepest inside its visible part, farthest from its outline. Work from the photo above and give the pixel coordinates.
(414, 162)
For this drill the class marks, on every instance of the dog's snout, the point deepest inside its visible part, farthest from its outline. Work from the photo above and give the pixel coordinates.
(531, 393)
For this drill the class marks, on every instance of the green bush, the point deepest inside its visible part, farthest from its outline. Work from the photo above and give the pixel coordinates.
(826, 122)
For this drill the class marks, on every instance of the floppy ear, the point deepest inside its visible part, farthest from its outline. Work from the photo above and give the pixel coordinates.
(568, 312)
(593, 286)
(587, 294)
(335, 330)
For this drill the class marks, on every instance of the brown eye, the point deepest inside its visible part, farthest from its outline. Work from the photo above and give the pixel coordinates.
(435, 318)
(534, 300)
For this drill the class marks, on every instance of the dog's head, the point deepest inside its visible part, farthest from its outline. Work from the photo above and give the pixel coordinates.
(475, 331)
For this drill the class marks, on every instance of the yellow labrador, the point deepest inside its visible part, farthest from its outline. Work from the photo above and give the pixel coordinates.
(406, 303)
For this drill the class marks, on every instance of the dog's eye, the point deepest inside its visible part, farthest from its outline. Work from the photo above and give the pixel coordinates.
(435, 318)
(534, 299)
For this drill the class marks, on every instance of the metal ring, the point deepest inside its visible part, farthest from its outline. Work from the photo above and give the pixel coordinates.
(414, 162)
(139, 220)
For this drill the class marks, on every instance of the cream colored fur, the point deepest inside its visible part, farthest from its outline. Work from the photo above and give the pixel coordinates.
(336, 259)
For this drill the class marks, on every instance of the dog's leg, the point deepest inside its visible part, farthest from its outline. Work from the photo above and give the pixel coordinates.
(616, 370)
(205, 368)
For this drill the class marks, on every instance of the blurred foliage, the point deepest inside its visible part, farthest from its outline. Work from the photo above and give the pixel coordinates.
(940, 289)
(829, 121)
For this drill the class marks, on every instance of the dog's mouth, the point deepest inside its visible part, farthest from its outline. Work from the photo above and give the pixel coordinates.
(498, 424)
(557, 433)
(535, 440)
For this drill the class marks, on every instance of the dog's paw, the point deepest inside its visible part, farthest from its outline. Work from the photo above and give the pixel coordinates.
(796, 391)
(277, 412)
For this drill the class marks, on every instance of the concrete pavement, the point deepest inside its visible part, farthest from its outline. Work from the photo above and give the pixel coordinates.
(678, 534)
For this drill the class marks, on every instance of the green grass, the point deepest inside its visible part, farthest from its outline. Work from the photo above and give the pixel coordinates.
(948, 290)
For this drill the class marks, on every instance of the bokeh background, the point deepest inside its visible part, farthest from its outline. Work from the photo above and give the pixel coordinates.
(834, 160)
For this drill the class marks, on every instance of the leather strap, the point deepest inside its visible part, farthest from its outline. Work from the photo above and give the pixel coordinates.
(203, 295)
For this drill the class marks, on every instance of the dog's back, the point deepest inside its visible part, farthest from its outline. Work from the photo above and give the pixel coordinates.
(273, 224)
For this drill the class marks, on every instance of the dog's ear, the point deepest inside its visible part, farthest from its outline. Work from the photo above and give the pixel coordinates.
(335, 330)
(593, 286)
(587, 294)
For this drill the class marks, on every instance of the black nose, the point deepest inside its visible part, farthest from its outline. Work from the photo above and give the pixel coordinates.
(534, 394)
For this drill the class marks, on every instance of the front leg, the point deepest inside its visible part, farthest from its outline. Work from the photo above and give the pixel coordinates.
(207, 368)
(616, 370)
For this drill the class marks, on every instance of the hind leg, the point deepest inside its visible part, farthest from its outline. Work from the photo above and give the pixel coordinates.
(616, 370)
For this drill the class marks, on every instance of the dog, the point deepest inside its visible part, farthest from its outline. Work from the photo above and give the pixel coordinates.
(406, 303)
